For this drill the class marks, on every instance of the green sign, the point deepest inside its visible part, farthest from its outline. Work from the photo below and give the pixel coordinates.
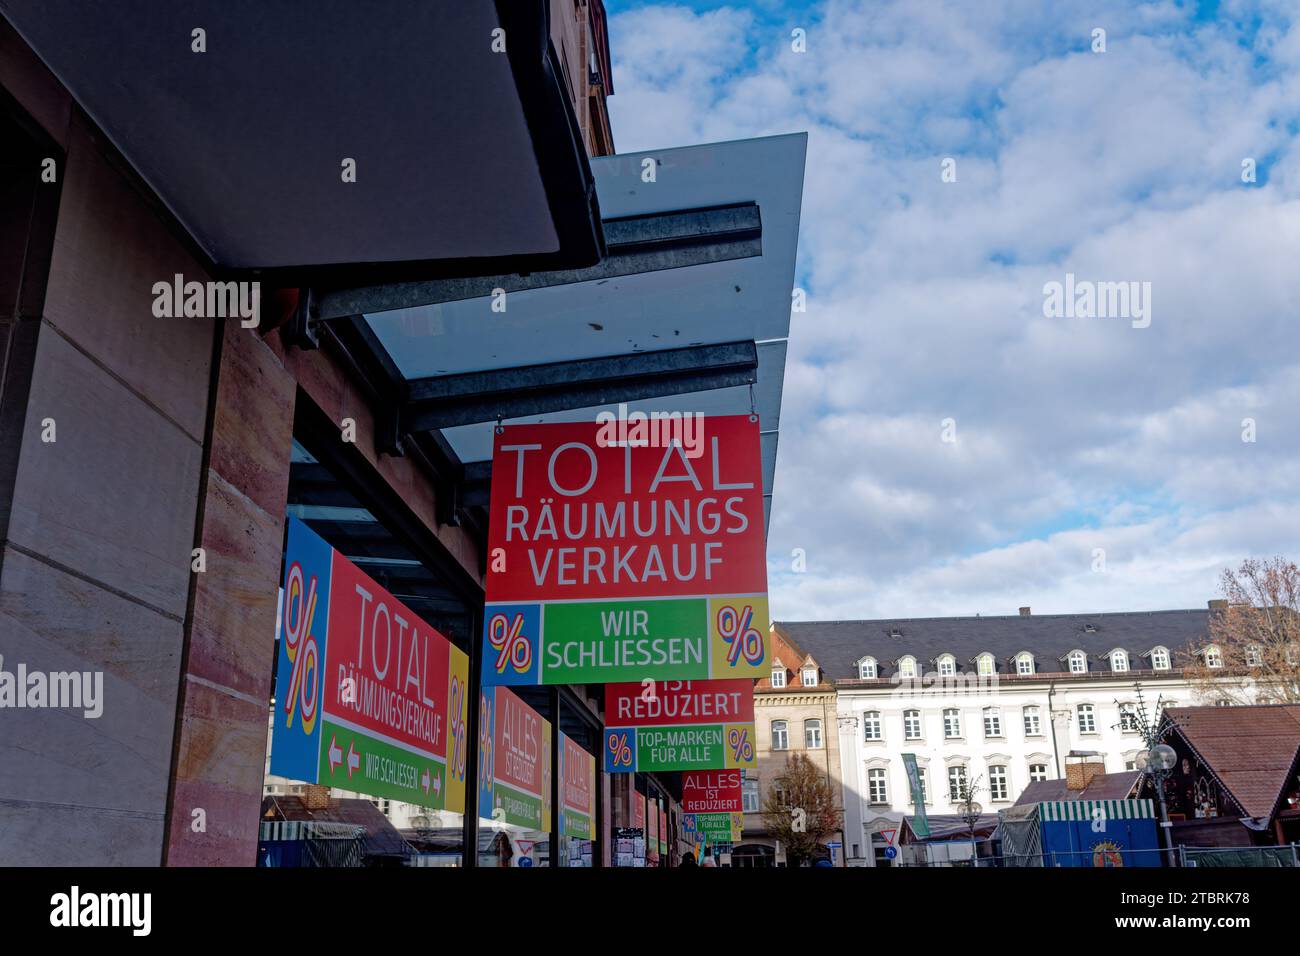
(611, 641)
(380, 768)
(715, 827)
(687, 747)
(920, 825)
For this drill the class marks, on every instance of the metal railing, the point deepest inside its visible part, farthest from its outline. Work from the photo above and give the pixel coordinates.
(1271, 857)
(1284, 855)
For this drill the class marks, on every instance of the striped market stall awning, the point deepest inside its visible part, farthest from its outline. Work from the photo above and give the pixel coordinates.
(309, 830)
(1084, 810)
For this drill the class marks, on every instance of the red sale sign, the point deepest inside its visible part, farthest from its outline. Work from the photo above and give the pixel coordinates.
(614, 557)
(392, 667)
(369, 696)
(577, 790)
(583, 516)
(638, 810)
(514, 768)
(523, 751)
(679, 702)
(712, 791)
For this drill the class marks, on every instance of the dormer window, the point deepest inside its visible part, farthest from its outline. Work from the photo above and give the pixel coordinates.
(1160, 659)
(1118, 660)
(778, 677)
(1025, 663)
(1078, 662)
(947, 665)
(1090, 628)
(810, 677)
(985, 665)
(907, 666)
(867, 668)
(895, 633)
(1254, 656)
(1213, 656)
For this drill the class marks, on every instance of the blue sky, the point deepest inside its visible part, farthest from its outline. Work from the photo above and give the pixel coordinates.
(1074, 436)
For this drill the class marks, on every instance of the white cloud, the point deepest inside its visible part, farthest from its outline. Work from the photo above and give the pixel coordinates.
(925, 297)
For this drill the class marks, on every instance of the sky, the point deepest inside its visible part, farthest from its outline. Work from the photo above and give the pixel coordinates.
(946, 448)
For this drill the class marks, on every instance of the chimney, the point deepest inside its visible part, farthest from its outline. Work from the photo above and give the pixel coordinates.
(315, 797)
(1024, 612)
(1080, 768)
(1218, 605)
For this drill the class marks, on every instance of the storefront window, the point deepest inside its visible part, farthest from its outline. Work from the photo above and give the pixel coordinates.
(515, 786)
(579, 788)
(412, 816)
(630, 840)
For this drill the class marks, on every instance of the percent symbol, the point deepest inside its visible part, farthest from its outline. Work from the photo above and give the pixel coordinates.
(741, 749)
(622, 753)
(738, 631)
(300, 646)
(512, 645)
(456, 751)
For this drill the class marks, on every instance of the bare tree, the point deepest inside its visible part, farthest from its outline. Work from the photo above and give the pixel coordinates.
(970, 811)
(1257, 637)
(799, 809)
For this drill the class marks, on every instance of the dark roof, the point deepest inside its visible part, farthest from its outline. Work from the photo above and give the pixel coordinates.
(1104, 786)
(382, 838)
(951, 826)
(792, 659)
(446, 839)
(839, 645)
(1250, 749)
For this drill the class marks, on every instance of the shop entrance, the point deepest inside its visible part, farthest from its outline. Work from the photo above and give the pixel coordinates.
(753, 855)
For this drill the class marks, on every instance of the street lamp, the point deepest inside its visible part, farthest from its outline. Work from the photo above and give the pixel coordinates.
(1158, 762)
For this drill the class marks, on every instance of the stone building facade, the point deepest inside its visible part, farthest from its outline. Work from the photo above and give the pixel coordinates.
(794, 712)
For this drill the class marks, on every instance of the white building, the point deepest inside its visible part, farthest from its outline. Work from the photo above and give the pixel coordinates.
(991, 701)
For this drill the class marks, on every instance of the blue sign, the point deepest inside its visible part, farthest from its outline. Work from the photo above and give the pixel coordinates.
(890, 852)
(300, 670)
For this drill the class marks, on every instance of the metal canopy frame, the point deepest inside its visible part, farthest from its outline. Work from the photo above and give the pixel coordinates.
(637, 244)
(469, 397)
(634, 244)
(332, 488)
(744, 190)
(410, 414)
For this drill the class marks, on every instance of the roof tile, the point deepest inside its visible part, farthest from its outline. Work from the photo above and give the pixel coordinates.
(839, 645)
(1251, 749)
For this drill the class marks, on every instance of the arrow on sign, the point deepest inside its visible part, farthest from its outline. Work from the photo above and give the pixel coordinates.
(335, 754)
(437, 783)
(424, 781)
(354, 758)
